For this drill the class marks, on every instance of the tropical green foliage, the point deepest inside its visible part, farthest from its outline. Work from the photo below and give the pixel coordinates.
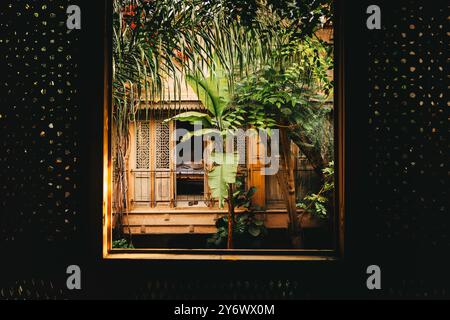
(157, 40)
(218, 119)
(162, 40)
(122, 244)
(243, 198)
(248, 229)
(213, 91)
(318, 203)
(222, 175)
(294, 95)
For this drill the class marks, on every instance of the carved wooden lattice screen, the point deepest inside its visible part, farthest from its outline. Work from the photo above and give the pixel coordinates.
(163, 174)
(142, 173)
(143, 145)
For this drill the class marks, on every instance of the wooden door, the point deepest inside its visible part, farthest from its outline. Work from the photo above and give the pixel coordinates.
(141, 158)
(163, 164)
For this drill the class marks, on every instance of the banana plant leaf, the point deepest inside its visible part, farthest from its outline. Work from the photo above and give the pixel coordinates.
(222, 175)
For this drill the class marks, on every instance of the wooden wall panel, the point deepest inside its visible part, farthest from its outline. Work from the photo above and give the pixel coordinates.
(256, 164)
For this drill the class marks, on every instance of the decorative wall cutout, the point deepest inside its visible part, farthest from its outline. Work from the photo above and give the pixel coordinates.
(408, 144)
(39, 114)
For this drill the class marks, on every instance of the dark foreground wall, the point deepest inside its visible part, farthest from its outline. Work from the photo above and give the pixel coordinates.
(50, 166)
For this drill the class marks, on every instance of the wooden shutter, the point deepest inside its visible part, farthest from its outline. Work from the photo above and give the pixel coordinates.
(163, 175)
(142, 162)
(255, 166)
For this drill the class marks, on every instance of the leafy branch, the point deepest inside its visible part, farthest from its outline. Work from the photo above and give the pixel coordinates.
(316, 203)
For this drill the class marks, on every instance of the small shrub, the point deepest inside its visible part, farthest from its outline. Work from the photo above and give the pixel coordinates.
(122, 244)
(318, 203)
(248, 229)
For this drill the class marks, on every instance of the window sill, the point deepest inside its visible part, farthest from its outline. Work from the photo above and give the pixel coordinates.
(225, 255)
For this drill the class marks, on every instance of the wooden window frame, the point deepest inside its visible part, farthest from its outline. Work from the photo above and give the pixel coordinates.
(152, 169)
(336, 253)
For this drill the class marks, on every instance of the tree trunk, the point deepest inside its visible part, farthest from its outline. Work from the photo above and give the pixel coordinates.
(312, 153)
(230, 217)
(286, 180)
(120, 189)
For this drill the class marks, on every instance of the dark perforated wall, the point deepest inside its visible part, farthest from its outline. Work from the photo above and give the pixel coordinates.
(39, 113)
(408, 144)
